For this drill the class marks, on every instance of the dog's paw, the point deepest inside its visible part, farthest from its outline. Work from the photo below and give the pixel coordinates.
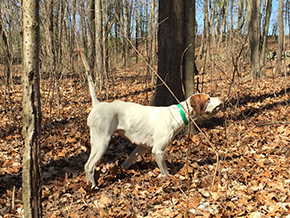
(94, 187)
(163, 175)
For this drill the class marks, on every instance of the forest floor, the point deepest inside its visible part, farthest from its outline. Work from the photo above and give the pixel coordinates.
(238, 165)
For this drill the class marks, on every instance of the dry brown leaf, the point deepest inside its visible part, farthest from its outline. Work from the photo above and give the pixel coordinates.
(104, 201)
(73, 215)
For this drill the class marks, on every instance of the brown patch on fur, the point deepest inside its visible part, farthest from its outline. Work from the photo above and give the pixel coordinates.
(198, 102)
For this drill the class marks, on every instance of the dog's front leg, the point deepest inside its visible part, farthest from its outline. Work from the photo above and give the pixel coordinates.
(160, 160)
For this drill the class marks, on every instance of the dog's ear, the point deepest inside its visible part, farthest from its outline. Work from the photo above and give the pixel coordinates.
(198, 102)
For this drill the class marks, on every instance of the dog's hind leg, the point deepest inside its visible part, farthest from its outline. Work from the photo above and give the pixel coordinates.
(138, 152)
(98, 149)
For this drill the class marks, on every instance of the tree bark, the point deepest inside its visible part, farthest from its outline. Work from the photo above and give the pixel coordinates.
(171, 46)
(151, 37)
(137, 14)
(189, 55)
(98, 41)
(127, 21)
(225, 8)
(280, 38)
(212, 24)
(31, 112)
(240, 17)
(91, 34)
(254, 27)
(265, 31)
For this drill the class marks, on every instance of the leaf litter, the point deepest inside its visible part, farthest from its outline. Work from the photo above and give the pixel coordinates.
(249, 179)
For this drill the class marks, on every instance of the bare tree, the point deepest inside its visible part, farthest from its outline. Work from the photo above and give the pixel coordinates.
(224, 6)
(212, 7)
(8, 62)
(31, 110)
(241, 18)
(280, 38)
(189, 53)
(127, 22)
(151, 39)
(98, 45)
(265, 31)
(171, 46)
(254, 27)
(137, 15)
(91, 33)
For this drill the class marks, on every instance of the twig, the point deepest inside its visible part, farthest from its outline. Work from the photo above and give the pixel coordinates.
(13, 198)
(273, 123)
(187, 173)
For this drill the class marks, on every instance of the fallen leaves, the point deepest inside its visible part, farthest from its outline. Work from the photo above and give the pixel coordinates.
(250, 179)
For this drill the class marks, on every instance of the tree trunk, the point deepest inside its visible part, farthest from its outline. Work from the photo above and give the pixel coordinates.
(151, 40)
(232, 24)
(207, 27)
(171, 46)
(280, 38)
(189, 55)
(98, 41)
(137, 14)
(31, 113)
(225, 6)
(49, 36)
(212, 24)
(127, 21)
(240, 17)
(8, 62)
(254, 27)
(91, 34)
(265, 31)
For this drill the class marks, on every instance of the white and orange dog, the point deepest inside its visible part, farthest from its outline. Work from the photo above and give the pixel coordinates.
(147, 126)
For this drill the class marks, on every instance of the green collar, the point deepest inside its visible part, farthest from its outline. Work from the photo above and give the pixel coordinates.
(182, 114)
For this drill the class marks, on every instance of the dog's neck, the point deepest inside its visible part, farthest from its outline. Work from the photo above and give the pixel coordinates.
(179, 124)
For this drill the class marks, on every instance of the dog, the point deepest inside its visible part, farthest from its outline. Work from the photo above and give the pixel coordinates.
(148, 127)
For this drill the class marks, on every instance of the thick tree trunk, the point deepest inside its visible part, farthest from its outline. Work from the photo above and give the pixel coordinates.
(31, 112)
(171, 46)
(254, 27)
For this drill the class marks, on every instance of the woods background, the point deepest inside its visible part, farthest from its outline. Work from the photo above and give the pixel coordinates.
(238, 168)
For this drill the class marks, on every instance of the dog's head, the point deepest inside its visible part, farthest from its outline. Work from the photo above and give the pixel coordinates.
(203, 103)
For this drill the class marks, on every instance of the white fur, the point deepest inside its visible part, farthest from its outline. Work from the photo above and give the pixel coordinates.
(147, 126)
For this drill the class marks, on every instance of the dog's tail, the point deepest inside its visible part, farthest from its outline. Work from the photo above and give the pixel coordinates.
(92, 88)
(90, 80)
